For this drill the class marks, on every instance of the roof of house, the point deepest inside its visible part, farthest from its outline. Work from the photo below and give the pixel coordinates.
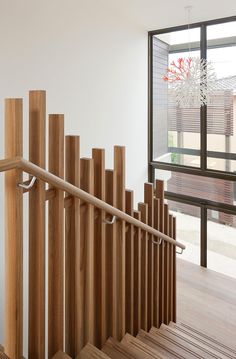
(227, 83)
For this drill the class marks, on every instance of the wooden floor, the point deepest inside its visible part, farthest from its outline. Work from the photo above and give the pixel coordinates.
(207, 301)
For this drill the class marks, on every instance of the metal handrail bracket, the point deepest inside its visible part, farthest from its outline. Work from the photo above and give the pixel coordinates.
(158, 242)
(114, 218)
(30, 185)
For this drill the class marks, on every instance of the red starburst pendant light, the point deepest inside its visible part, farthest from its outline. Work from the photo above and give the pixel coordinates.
(191, 79)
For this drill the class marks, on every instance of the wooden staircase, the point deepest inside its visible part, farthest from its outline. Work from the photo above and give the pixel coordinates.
(175, 341)
(110, 267)
(168, 342)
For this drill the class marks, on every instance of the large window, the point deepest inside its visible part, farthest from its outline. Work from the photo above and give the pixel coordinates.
(221, 234)
(221, 117)
(176, 138)
(193, 149)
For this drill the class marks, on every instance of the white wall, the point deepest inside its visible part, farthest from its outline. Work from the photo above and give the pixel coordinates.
(91, 57)
(93, 64)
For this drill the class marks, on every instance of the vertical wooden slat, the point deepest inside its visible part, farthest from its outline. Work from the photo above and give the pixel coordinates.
(111, 260)
(119, 166)
(129, 265)
(143, 208)
(166, 265)
(87, 282)
(174, 271)
(171, 270)
(148, 198)
(14, 232)
(37, 153)
(100, 249)
(160, 195)
(56, 239)
(72, 232)
(137, 276)
(156, 270)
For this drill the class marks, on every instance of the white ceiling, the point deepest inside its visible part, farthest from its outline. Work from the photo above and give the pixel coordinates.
(156, 14)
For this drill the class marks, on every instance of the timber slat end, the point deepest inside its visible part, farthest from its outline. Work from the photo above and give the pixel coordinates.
(61, 355)
(90, 351)
(2, 354)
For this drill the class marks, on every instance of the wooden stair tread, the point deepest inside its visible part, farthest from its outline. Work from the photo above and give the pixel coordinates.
(2, 354)
(117, 350)
(157, 341)
(90, 351)
(203, 336)
(201, 340)
(140, 349)
(61, 355)
(187, 342)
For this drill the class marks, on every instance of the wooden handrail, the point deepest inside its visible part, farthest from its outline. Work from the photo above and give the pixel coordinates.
(10, 164)
(30, 168)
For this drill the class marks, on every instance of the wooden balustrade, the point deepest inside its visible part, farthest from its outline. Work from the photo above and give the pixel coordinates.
(14, 232)
(37, 155)
(72, 252)
(105, 278)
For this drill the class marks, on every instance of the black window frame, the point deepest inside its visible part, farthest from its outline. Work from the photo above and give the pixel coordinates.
(202, 170)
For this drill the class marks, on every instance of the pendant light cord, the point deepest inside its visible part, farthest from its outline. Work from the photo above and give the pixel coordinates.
(188, 12)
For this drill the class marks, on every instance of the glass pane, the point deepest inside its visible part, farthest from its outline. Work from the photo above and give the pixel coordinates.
(221, 242)
(212, 189)
(176, 131)
(224, 30)
(221, 111)
(187, 229)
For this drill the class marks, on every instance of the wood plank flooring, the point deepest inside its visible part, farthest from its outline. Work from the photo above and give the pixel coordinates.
(207, 301)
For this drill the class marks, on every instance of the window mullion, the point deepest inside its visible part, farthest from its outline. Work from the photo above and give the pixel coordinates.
(203, 109)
